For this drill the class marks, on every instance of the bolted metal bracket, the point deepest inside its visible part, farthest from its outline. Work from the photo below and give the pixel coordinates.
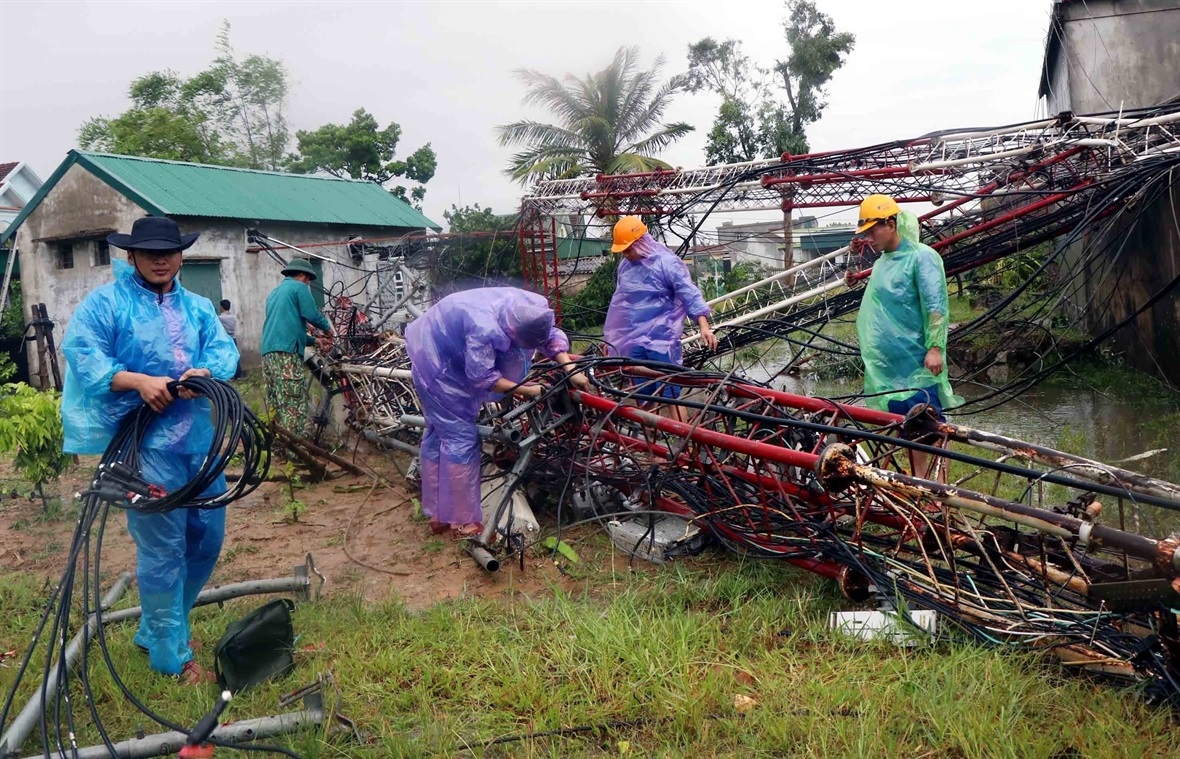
(303, 573)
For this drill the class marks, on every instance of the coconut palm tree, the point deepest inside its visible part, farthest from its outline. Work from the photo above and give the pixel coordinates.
(608, 122)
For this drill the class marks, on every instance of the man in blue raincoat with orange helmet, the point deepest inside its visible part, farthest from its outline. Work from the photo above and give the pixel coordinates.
(653, 294)
(123, 345)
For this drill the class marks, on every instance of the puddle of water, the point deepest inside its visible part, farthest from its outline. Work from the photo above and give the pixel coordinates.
(1083, 421)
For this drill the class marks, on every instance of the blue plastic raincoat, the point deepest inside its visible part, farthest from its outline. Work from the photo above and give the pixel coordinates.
(458, 349)
(124, 326)
(904, 312)
(652, 297)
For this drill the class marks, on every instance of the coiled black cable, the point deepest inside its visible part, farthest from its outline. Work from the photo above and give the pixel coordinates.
(118, 482)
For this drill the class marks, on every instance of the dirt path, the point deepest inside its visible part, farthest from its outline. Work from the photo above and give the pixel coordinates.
(395, 555)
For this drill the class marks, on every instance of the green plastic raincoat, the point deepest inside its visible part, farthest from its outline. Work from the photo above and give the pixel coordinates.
(904, 312)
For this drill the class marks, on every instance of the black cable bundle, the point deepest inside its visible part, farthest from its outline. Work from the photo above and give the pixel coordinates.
(118, 483)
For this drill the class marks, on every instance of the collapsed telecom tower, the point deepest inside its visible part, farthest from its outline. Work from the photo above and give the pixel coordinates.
(991, 193)
(1026, 547)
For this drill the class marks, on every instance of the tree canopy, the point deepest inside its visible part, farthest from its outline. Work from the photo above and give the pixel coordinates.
(479, 249)
(360, 149)
(229, 114)
(610, 121)
(232, 114)
(752, 121)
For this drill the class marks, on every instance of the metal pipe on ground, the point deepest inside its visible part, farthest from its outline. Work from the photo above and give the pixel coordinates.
(385, 441)
(483, 556)
(224, 593)
(25, 722)
(165, 744)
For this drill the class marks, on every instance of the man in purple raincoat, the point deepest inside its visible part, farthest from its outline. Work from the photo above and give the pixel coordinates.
(469, 348)
(653, 294)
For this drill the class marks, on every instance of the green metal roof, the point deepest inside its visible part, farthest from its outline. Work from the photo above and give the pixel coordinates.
(173, 188)
(576, 247)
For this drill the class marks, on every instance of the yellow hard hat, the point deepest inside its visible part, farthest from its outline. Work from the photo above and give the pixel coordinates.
(876, 208)
(627, 230)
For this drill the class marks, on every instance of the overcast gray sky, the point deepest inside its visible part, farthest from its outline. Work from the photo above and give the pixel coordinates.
(443, 69)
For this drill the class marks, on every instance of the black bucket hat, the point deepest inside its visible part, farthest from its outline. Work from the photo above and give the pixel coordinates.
(153, 233)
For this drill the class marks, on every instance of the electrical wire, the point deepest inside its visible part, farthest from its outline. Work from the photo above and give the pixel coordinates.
(119, 483)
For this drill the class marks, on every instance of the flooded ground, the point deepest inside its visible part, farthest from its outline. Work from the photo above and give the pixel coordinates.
(1120, 421)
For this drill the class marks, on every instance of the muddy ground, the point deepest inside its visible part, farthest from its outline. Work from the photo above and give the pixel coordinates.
(362, 531)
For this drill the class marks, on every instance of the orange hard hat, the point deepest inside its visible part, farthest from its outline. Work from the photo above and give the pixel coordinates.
(876, 208)
(627, 230)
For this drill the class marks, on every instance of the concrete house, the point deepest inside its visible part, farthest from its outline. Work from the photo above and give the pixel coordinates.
(18, 185)
(64, 255)
(1106, 55)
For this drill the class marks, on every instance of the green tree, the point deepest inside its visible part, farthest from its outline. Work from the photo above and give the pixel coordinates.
(250, 95)
(586, 309)
(480, 245)
(163, 122)
(362, 150)
(229, 114)
(752, 122)
(608, 122)
(30, 427)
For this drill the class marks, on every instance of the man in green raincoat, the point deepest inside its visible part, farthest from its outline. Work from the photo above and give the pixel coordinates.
(903, 319)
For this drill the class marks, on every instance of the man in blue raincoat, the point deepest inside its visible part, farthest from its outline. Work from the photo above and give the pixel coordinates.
(653, 294)
(123, 345)
(903, 319)
(469, 348)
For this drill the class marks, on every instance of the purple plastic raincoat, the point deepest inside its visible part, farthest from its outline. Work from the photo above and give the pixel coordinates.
(458, 349)
(651, 298)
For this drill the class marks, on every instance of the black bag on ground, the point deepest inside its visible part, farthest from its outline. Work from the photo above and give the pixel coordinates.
(257, 647)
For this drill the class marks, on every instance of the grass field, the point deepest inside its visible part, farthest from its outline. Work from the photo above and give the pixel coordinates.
(652, 664)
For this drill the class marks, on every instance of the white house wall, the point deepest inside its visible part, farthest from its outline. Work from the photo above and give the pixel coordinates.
(78, 205)
(81, 204)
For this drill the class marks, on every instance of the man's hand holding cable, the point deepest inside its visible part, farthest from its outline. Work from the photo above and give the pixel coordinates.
(153, 390)
(577, 378)
(187, 394)
(707, 336)
(531, 390)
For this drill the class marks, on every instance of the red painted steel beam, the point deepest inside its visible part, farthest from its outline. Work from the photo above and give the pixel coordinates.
(708, 437)
(787, 205)
(987, 225)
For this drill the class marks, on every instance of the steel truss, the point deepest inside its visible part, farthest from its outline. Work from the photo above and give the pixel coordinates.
(995, 191)
(1020, 550)
(1025, 548)
(830, 488)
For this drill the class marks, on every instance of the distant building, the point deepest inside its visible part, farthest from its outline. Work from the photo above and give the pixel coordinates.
(61, 232)
(18, 185)
(760, 244)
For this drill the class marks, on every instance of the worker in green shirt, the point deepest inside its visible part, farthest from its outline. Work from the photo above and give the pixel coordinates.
(290, 309)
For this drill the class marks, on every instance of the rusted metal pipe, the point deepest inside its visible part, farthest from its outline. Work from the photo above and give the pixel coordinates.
(1077, 465)
(838, 469)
